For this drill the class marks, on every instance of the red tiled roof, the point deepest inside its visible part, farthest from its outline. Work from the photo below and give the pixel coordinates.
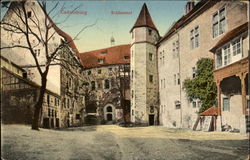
(229, 35)
(186, 18)
(144, 19)
(213, 111)
(110, 56)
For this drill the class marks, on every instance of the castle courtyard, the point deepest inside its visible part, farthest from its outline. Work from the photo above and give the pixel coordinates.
(111, 142)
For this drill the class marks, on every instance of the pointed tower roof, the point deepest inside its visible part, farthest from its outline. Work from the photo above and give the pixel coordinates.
(144, 19)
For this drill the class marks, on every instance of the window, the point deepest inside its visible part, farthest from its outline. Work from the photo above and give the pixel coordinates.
(236, 47)
(48, 99)
(109, 109)
(107, 84)
(126, 57)
(49, 112)
(150, 56)
(226, 104)
(219, 22)
(29, 14)
(55, 102)
(100, 61)
(194, 104)
(37, 52)
(178, 78)
(163, 57)
(77, 116)
(93, 85)
(68, 103)
(89, 72)
(227, 55)
(99, 83)
(219, 59)
(132, 34)
(175, 49)
(99, 71)
(151, 78)
(132, 74)
(174, 79)
(104, 52)
(132, 112)
(110, 71)
(132, 94)
(177, 104)
(194, 37)
(164, 83)
(194, 72)
(150, 32)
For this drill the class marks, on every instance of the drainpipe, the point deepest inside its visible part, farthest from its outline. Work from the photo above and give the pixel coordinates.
(179, 63)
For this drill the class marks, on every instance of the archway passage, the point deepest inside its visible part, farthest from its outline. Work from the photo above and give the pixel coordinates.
(109, 117)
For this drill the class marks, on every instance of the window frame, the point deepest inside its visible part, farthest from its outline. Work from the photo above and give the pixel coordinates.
(218, 22)
(228, 107)
(195, 37)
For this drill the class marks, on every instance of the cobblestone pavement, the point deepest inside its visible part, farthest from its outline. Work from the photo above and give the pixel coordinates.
(110, 142)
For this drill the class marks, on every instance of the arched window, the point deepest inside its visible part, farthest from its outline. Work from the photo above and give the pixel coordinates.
(107, 84)
(93, 85)
(109, 109)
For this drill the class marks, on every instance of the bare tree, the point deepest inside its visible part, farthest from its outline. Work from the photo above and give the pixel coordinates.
(122, 81)
(41, 30)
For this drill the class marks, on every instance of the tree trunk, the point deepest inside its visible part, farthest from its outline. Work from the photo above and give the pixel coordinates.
(39, 104)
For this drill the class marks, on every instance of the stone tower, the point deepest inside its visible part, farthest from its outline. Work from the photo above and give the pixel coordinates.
(143, 65)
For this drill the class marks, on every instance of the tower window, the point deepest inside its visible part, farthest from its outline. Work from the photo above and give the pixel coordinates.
(151, 78)
(150, 56)
(89, 72)
(150, 32)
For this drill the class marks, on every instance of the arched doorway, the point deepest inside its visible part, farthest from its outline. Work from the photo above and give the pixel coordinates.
(109, 112)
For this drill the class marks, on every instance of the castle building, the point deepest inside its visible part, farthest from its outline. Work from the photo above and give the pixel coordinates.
(106, 73)
(143, 66)
(187, 41)
(61, 108)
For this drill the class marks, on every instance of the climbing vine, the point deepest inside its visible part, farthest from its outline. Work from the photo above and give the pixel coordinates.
(202, 87)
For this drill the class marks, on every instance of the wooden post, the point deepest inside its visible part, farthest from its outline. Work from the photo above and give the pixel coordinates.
(219, 97)
(243, 93)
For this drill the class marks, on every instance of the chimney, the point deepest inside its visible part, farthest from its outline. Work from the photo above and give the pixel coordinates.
(189, 6)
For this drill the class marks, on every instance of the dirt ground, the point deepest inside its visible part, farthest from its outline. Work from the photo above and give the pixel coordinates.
(110, 142)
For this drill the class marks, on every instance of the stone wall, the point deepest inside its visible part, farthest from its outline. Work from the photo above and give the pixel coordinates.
(103, 88)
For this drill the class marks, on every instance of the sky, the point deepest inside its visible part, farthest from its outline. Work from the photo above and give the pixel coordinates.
(164, 13)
